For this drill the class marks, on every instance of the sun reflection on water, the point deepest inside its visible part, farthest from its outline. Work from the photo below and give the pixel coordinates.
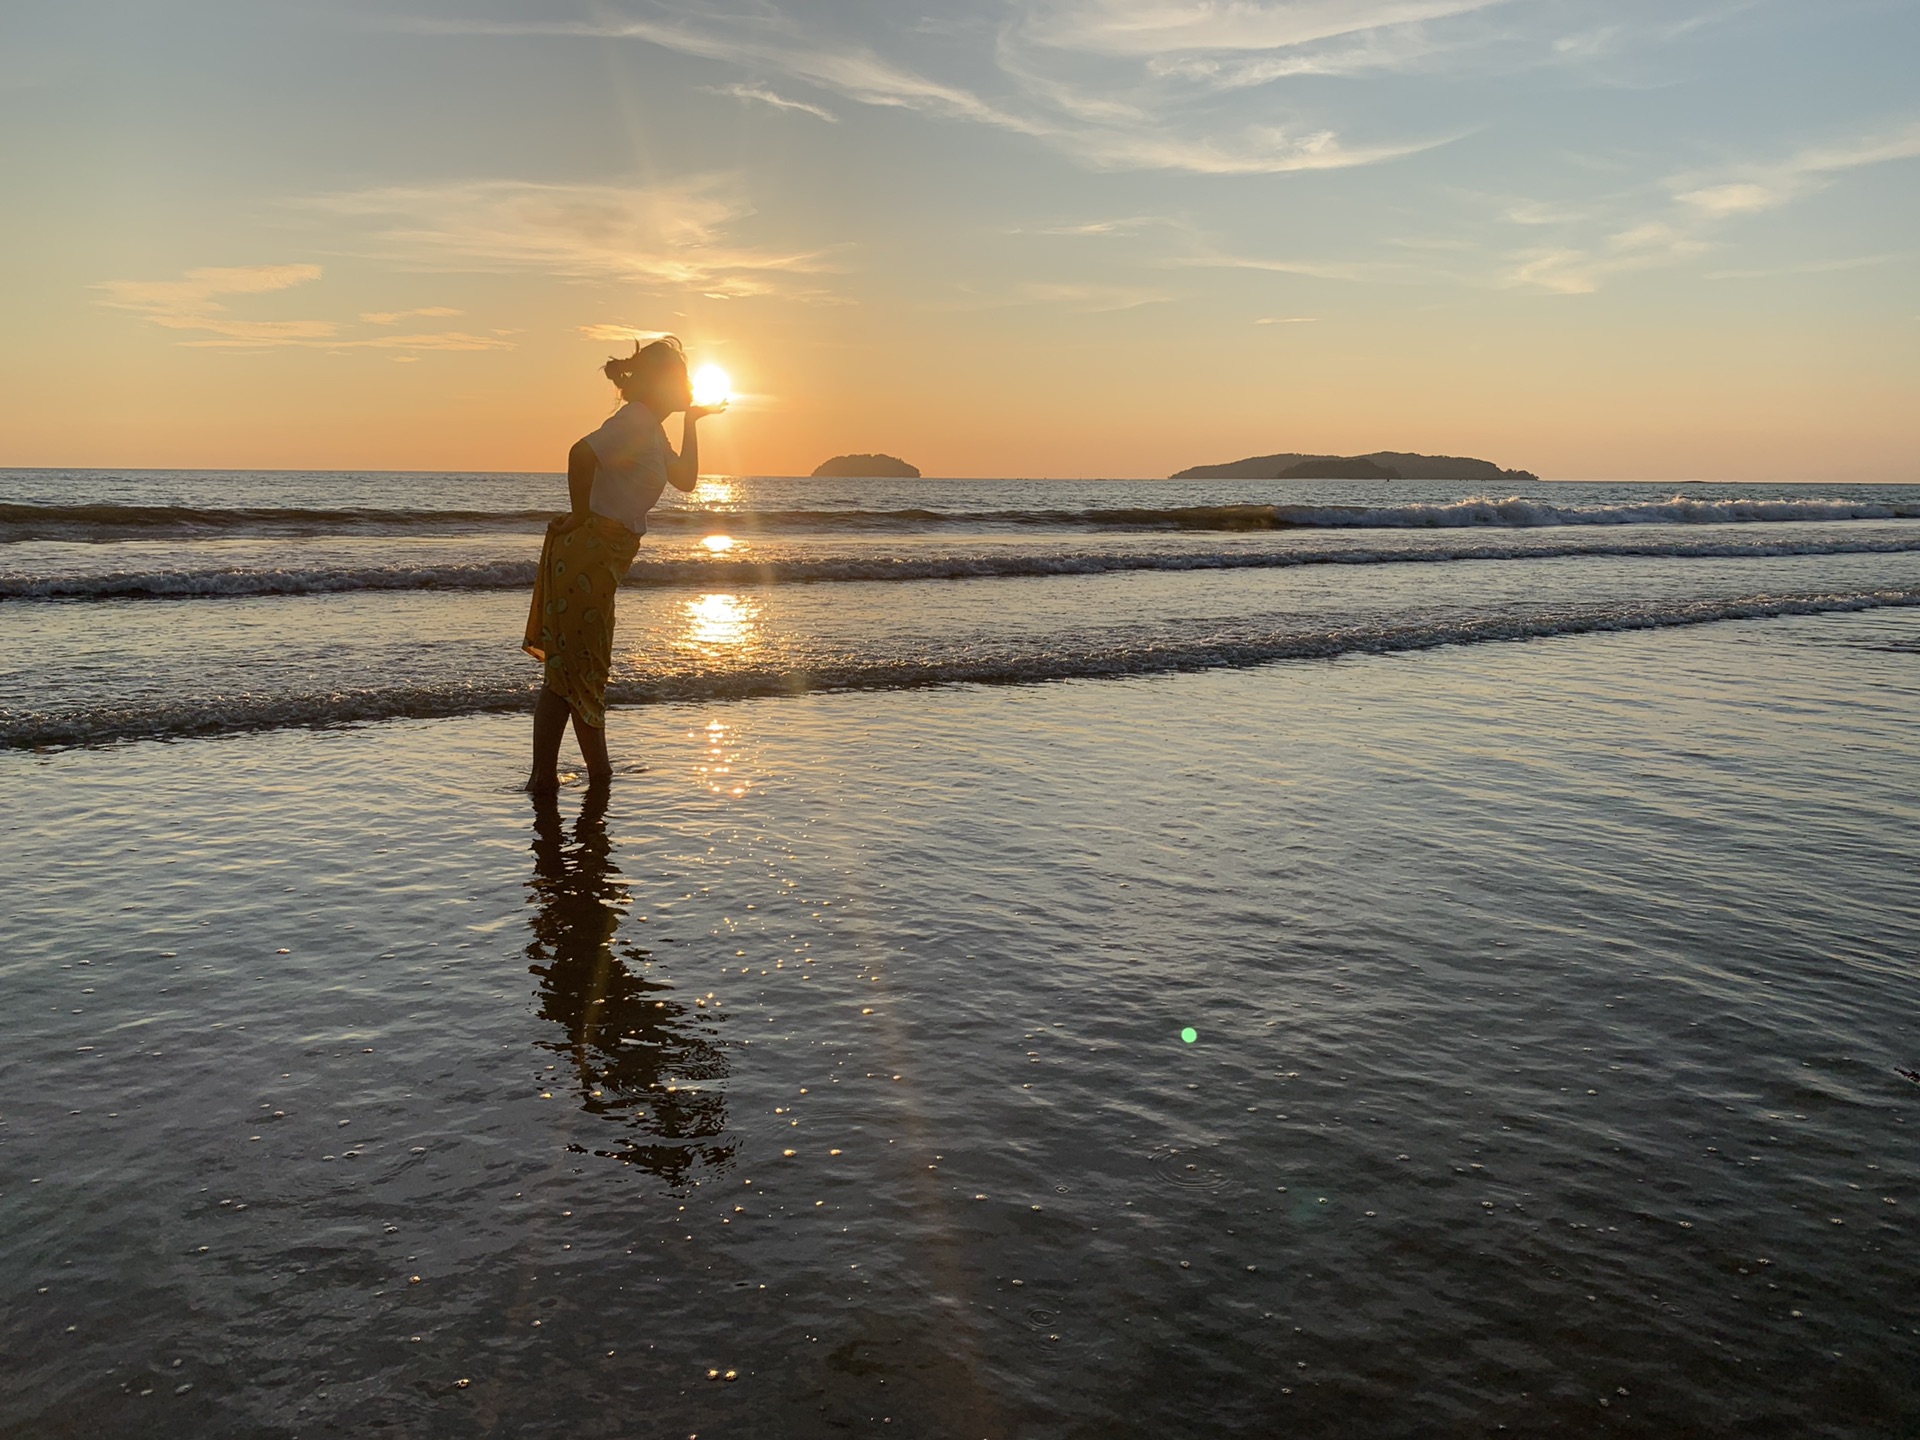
(718, 774)
(721, 626)
(719, 492)
(718, 544)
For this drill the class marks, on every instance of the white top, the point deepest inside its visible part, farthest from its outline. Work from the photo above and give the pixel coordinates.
(633, 452)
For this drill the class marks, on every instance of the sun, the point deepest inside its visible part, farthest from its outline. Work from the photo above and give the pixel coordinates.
(711, 386)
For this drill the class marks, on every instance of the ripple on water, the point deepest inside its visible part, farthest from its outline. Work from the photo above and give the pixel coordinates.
(1187, 1169)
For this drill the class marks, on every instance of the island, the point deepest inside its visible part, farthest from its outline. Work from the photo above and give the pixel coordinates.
(1334, 468)
(1381, 465)
(865, 467)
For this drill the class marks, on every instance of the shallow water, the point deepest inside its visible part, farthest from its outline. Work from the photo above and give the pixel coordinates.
(1548, 1000)
(172, 603)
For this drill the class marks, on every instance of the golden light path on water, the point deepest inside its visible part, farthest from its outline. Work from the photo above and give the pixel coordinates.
(720, 627)
(717, 774)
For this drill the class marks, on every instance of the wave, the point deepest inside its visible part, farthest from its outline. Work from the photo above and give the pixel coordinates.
(1517, 512)
(708, 573)
(104, 523)
(230, 714)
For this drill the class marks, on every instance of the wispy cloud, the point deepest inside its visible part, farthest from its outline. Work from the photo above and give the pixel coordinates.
(1768, 186)
(765, 96)
(1813, 267)
(669, 235)
(616, 334)
(1128, 225)
(1287, 320)
(1160, 27)
(394, 317)
(193, 303)
(1086, 297)
(1092, 126)
(1697, 207)
(1314, 269)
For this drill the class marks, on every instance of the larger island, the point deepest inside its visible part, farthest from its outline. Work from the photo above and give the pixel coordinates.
(866, 467)
(1381, 465)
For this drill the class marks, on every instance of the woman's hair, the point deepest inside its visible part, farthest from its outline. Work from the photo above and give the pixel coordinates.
(646, 359)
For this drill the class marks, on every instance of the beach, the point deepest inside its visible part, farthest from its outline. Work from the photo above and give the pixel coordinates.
(1547, 990)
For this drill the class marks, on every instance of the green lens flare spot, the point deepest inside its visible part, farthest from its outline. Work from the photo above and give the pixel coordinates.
(1189, 1034)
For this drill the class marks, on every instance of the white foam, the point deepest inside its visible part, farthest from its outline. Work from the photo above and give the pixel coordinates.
(1516, 512)
(518, 574)
(250, 712)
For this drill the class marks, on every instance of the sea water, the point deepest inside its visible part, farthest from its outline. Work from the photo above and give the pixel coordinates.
(1535, 876)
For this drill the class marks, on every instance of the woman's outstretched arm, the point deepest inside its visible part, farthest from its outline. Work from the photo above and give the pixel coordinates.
(683, 471)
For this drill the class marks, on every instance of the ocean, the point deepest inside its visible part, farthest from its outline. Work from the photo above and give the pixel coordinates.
(1092, 958)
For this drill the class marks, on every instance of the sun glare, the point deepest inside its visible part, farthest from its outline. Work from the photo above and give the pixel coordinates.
(719, 625)
(719, 544)
(711, 386)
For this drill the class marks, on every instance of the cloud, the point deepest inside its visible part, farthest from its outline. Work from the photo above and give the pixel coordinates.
(1698, 207)
(1287, 320)
(1152, 28)
(445, 340)
(1812, 267)
(779, 102)
(852, 70)
(394, 317)
(191, 303)
(1088, 298)
(1126, 226)
(1258, 150)
(1767, 187)
(621, 334)
(1085, 297)
(1315, 269)
(1091, 126)
(669, 235)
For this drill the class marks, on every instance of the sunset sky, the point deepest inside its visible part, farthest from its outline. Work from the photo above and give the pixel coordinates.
(1594, 238)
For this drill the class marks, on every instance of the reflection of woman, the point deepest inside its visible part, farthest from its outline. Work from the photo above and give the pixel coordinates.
(614, 477)
(642, 1058)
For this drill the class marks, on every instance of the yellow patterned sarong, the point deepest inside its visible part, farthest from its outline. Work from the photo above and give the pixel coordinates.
(570, 625)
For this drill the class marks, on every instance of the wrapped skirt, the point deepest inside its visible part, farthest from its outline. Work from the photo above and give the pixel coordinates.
(570, 624)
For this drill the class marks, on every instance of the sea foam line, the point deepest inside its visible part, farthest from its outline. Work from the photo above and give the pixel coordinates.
(225, 715)
(103, 523)
(705, 573)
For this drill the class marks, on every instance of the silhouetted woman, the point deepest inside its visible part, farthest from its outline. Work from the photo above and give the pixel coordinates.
(614, 477)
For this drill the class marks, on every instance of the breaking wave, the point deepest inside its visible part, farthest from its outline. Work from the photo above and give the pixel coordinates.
(221, 715)
(518, 574)
(104, 523)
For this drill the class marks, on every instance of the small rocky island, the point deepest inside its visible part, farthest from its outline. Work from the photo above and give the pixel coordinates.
(866, 467)
(1381, 465)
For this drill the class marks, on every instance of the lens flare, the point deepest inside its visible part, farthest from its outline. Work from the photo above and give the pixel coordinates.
(719, 544)
(711, 386)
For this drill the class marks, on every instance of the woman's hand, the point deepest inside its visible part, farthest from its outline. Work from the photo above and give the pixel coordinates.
(700, 412)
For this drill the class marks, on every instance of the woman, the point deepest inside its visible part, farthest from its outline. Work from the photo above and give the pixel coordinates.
(614, 476)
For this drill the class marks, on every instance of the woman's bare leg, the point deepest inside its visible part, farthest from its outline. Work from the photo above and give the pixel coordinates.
(550, 714)
(593, 749)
